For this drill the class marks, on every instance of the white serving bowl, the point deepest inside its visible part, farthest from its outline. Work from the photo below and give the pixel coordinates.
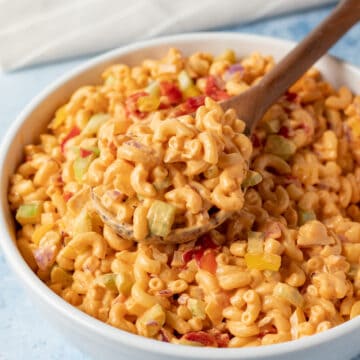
(90, 335)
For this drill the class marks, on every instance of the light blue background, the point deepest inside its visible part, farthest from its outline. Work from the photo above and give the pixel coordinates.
(24, 333)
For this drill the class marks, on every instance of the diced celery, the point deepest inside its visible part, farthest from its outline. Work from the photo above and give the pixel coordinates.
(39, 232)
(124, 283)
(107, 280)
(197, 308)
(211, 172)
(255, 242)
(94, 124)
(95, 150)
(151, 321)
(59, 119)
(305, 216)
(82, 223)
(272, 126)
(80, 166)
(228, 55)
(29, 213)
(252, 178)
(264, 261)
(161, 217)
(153, 89)
(289, 293)
(280, 146)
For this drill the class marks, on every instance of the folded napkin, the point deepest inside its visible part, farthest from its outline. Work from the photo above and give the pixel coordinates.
(35, 31)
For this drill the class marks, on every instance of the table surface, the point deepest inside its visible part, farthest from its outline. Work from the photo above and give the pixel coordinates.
(24, 333)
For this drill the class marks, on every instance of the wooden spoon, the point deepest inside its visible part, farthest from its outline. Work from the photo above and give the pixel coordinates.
(251, 105)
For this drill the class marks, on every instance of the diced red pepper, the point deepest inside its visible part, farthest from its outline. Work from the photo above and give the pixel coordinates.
(201, 337)
(191, 105)
(208, 262)
(67, 196)
(204, 254)
(271, 329)
(206, 242)
(189, 255)
(255, 140)
(289, 96)
(222, 339)
(85, 153)
(213, 89)
(131, 107)
(75, 131)
(285, 132)
(171, 91)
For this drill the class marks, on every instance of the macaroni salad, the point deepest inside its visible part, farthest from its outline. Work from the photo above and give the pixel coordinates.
(152, 143)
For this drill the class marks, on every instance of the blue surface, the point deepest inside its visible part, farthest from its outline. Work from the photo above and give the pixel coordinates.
(24, 334)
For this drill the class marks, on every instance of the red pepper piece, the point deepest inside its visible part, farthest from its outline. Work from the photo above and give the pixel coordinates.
(214, 90)
(171, 91)
(67, 196)
(285, 132)
(289, 96)
(85, 153)
(222, 339)
(189, 255)
(75, 131)
(201, 337)
(190, 105)
(206, 242)
(208, 262)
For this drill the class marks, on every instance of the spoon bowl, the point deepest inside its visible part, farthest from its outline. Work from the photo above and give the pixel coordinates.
(252, 104)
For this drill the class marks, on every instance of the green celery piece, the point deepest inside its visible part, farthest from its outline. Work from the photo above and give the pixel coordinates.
(305, 215)
(160, 218)
(272, 126)
(280, 146)
(252, 178)
(80, 167)
(108, 280)
(94, 124)
(197, 308)
(29, 213)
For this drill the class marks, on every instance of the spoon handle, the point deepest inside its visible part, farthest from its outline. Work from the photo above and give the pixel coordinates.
(298, 61)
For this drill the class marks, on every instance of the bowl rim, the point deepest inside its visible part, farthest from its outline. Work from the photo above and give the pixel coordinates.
(29, 280)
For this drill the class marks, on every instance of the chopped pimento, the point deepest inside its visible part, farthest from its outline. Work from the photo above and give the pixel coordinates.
(171, 91)
(214, 90)
(75, 131)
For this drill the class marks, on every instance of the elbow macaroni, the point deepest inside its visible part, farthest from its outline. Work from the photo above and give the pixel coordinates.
(302, 219)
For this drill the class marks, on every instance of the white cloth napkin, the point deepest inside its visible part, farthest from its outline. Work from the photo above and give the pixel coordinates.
(35, 31)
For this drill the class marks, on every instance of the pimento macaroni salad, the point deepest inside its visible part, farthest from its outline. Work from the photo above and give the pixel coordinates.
(154, 145)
